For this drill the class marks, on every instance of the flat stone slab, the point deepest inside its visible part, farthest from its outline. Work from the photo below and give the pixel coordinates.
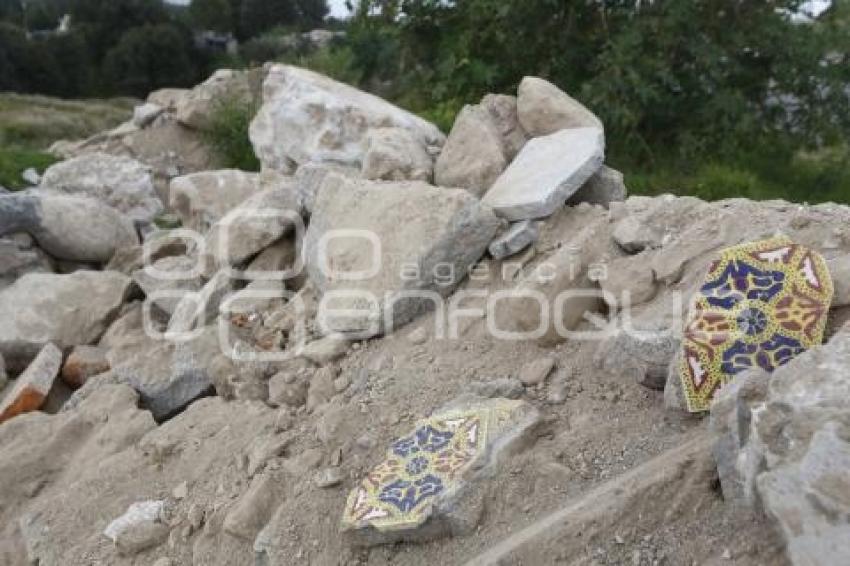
(32, 386)
(761, 304)
(416, 492)
(547, 172)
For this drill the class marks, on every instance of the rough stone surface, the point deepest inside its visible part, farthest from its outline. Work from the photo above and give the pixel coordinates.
(31, 388)
(500, 388)
(254, 225)
(630, 280)
(310, 178)
(325, 350)
(839, 268)
(473, 156)
(253, 510)
(307, 117)
(199, 309)
(18, 256)
(545, 109)
(516, 238)
(68, 228)
(195, 108)
(82, 363)
(40, 308)
(395, 154)
(547, 172)
(783, 444)
(123, 183)
(503, 113)
(167, 280)
(415, 225)
(486, 432)
(146, 113)
(641, 355)
(140, 528)
(536, 372)
(201, 199)
(604, 187)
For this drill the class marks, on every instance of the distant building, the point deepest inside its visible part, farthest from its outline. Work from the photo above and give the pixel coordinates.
(216, 42)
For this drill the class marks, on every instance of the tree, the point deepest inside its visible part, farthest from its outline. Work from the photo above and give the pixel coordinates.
(105, 22)
(212, 15)
(258, 16)
(147, 58)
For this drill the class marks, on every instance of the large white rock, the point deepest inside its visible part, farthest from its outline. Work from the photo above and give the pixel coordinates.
(544, 109)
(67, 310)
(196, 108)
(398, 237)
(547, 172)
(309, 117)
(474, 156)
(123, 183)
(394, 154)
(201, 199)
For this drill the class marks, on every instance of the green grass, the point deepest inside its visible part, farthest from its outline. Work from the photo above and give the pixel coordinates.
(228, 134)
(13, 162)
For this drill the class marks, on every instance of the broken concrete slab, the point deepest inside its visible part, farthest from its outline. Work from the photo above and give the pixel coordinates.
(547, 172)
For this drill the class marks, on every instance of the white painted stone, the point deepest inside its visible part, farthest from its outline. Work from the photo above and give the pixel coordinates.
(546, 173)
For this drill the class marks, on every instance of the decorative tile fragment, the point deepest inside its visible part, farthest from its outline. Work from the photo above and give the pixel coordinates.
(761, 304)
(425, 472)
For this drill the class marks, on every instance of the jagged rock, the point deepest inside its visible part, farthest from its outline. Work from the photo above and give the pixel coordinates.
(168, 376)
(427, 501)
(254, 509)
(254, 225)
(84, 362)
(307, 117)
(630, 280)
(604, 187)
(146, 113)
(516, 238)
(643, 355)
(32, 386)
(536, 372)
(473, 156)
(635, 236)
(44, 307)
(839, 268)
(545, 109)
(123, 183)
(287, 388)
(416, 226)
(195, 108)
(503, 113)
(501, 388)
(18, 256)
(196, 310)
(547, 172)
(68, 228)
(782, 445)
(325, 350)
(158, 244)
(310, 177)
(202, 199)
(395, 154)
(167, 281)
(142, 527)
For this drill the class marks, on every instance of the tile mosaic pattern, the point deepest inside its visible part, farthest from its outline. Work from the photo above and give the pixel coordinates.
(422, 468)
(761, 304)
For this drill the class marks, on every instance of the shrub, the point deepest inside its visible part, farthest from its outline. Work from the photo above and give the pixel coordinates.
(228, 134)
(13, 162)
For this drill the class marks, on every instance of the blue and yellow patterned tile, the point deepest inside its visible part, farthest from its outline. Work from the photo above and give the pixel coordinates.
(761, 304)
(427, 467)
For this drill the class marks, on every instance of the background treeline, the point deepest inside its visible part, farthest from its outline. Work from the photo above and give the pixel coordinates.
(128, 47)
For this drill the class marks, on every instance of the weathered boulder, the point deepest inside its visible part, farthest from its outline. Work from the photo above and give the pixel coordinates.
(69, 228)
(503, 113)
(123, 183)
(166, 281)
(254, 509)
(254, 225)
(196, 108)
(473, 156)
(629, 279)
(44, 307)
(201, 199)
(310, 178)
(84, 362)
(31, 388)
(411, 498)
(604, 187)
(420, 240)
(547, 172)
(544, 109)
(782, 445)
(395, 154)
(308, 117)
(167, 375)
(639, 354)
